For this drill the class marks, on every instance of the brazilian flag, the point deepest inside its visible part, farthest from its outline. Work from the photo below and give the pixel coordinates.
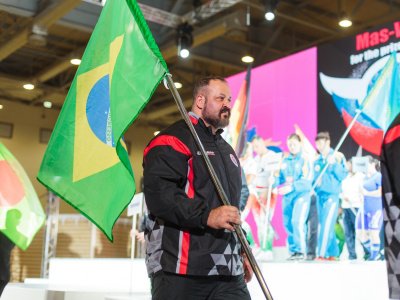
(21, 214)
(86, 162)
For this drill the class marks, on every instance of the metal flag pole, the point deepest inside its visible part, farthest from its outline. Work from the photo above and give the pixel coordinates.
(93, 240)
(267, 222)
(336, 149)
(218, 186)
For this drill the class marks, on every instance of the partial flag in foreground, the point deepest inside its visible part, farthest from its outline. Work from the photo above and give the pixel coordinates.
(86, 162)
(21, 214)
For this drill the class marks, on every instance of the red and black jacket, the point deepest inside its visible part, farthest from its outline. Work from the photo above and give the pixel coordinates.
(179, 195)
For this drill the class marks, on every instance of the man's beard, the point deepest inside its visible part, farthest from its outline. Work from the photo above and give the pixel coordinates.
(217, 122)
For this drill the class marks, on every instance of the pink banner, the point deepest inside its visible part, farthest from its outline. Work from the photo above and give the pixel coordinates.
(282, 93)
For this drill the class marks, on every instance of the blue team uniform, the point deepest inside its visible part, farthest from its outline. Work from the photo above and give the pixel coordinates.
(296, 204)
(372, 219)
(373, 204)
(327, 192)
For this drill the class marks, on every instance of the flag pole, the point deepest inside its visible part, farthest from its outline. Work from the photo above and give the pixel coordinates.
(345, 134)
(267, 213)
(218, 186)
(239, 141)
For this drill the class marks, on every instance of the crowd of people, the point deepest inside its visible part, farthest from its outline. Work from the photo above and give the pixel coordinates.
(326, 202)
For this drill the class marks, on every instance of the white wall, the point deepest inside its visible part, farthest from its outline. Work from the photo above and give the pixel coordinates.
(25, 146)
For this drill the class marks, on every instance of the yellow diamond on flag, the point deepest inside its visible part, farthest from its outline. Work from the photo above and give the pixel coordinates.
(94, 149)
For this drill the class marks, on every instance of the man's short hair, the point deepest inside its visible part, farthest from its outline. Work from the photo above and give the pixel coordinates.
(204, 81)
(323, 135)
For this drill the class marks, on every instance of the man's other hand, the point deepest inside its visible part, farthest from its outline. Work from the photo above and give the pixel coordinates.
(248, 271)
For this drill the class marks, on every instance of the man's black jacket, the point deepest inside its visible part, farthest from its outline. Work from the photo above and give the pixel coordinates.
(179, 195)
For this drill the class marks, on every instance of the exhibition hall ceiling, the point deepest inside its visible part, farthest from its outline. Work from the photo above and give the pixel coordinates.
(38, 39)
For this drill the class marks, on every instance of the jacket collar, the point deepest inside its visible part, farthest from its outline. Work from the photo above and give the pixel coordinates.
(204, 126)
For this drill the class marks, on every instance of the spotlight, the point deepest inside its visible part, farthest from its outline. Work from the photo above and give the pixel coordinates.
(38, 36)
(184, 53)
(178, 85)
(247, 59)
(1, 106)
(156, 132)
(269, 16)
(184, 39)
(28, 86)
(270, 7)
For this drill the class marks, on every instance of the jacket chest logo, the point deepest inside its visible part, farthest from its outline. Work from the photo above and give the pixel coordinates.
(209, 153)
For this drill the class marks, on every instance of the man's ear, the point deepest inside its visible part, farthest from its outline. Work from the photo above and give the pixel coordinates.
(200, 101)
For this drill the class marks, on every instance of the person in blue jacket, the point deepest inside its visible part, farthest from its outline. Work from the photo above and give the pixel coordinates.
(327, 189)
(294, 183)
(370, 218)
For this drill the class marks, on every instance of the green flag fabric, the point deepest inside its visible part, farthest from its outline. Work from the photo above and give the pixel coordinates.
(21, 214)
(382, 103)
(86, 162)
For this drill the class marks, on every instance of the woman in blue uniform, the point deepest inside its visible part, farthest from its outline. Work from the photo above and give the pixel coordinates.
(370, 220)
(328, 188)
(294, 183)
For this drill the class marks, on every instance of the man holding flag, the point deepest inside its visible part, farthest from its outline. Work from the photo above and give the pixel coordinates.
(87, 165)
(192, 251)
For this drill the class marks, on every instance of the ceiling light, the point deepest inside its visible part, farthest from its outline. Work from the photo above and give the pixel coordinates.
(1, 106)
(270, 7)
(247, 59)
(184, 53)
(345, 22)
(75, 61)
(28, 86)
(47, 104)
(184, 39)
(178, 85)
(269, 16)
(156, 132)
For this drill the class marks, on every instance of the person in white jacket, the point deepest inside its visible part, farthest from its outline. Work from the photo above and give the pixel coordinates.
(352, 200)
